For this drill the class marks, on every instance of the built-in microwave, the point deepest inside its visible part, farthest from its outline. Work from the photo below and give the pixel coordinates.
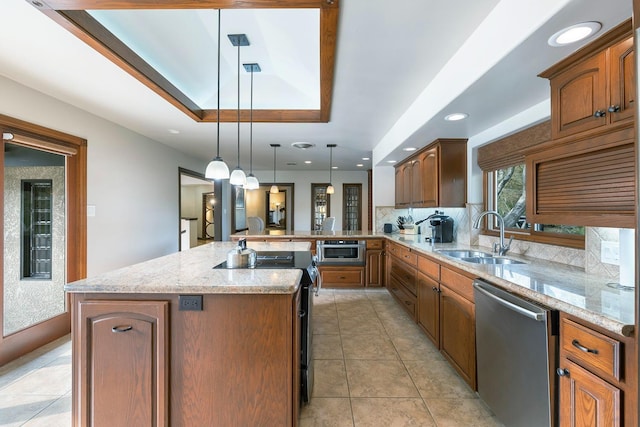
(341, 252)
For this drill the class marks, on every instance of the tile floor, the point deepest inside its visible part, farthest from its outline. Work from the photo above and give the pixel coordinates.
(373, 367)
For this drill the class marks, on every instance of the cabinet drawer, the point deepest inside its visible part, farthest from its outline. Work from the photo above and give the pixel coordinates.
(374, 244)
(457, 282)
(591, 348)
(406, 299)
(405, 274)
(342, 277)
(429, 267)
(404, 254)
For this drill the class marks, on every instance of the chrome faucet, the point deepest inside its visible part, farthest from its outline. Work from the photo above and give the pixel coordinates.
(503, 248)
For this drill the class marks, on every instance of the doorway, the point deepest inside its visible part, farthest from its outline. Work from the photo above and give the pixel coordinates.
(197, 209)
(44, 233)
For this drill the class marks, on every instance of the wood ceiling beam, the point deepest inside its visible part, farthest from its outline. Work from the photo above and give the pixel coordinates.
(71, 15)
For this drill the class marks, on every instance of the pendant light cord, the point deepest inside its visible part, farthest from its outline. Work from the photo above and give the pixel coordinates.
(238, 105)
(218, 121)
(251, 127)
(330, 163)
(274, 164)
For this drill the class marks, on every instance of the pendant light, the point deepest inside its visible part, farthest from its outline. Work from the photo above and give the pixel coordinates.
(274, 187)
(217, 168)
(330, 189)
(238, 176)
(252, 181)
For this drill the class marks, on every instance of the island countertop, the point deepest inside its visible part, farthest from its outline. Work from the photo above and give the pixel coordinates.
(192, 271)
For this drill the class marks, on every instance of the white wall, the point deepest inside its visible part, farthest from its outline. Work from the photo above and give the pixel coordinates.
(131, 180)
(302, 196)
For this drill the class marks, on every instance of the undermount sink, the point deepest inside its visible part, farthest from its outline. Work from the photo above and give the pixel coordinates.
(491, 260)
(463, 253)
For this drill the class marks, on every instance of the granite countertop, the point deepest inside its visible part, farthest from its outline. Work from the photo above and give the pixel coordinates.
(555, 285)
(559, 286)
(192, 271)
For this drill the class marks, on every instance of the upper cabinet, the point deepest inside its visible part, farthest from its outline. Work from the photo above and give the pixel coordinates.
(595, 87)
(586, 174)
(434, 176)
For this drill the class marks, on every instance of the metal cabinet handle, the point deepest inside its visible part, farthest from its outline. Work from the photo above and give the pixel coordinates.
(562, 372)
(580, 347)
(302, 313)
(121, 328)
(613, 108)
(599, 113)
(435, 289)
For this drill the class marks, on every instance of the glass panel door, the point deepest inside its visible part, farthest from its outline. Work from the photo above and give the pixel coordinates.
(34, 237)
(320, 205)
(352, 207)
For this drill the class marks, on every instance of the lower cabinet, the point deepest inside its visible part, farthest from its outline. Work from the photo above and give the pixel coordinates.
(429, 307)
(334, 276)
(123, 380)
(374, 274)
(593, 388)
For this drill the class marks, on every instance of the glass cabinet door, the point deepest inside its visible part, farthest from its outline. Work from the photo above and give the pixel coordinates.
(352, 207)
(320, 205)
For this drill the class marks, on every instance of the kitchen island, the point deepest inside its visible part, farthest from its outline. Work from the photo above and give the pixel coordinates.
(172, 341)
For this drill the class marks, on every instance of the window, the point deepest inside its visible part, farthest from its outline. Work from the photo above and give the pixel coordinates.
(36, 229)
(506, 193)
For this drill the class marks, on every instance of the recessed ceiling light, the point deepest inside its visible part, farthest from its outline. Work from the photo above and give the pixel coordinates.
(456, 116)
(174, 131)
(391, 161)
(303, 145)
(574, 33)
(334, 167)
(308, 162)
(365, 158)
(359, 165)
(409, 149)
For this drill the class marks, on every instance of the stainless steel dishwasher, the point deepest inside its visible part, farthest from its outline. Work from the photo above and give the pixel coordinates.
(516, 344)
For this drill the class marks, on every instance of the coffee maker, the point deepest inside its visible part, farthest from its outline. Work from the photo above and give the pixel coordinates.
(441, 228)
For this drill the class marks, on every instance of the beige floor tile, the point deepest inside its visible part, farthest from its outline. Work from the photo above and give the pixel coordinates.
(368, 347)
(379, 378)
(330, 379)
(327, 412)
(58, 414)
(461, 413)
(325, 324)
(327, 346)
(16, 409)
(411, 348)
(437, 380)
(359, 324)
(52, 379)
(390, 412)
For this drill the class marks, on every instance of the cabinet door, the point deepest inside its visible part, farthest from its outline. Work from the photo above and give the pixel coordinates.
(124, 380)
(457, 333)
(416, 183)
(429, 307)
(399, 187)
(375, 268)
(429, 161)
(406, 184)
(576, 95)
(587, 400)
(623, 85)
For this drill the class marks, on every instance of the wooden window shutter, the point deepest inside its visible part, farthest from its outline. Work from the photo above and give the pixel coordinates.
(510, 150)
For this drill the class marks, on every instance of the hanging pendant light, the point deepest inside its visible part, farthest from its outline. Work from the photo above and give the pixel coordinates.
(217, 168)
(274, 187)
(238, 176)
(252, 181)
(330, 189)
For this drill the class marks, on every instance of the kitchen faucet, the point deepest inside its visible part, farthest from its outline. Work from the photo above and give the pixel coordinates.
(503, 247)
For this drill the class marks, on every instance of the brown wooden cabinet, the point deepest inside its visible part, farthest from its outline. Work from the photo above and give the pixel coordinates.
(597, 376)
(401, 276)
(122, 379)
(594, 87)
(374, 274)
(429, 307)
(434, 176)
(338, 276)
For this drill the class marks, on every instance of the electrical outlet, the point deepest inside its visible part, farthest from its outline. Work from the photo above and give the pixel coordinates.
(610, 253)
(190, 302)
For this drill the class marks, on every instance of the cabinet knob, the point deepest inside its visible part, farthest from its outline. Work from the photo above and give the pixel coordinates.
(562, 372)
(600, 113)
(302, 313)
(613, 108)
(435, 289)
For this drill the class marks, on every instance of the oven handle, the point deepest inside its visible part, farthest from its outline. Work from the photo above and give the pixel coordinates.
(357, 246)
(318, 280)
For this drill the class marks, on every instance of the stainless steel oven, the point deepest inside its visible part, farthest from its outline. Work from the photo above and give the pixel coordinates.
(341, 252)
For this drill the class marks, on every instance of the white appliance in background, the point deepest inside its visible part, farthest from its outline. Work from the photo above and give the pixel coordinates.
(188, 233)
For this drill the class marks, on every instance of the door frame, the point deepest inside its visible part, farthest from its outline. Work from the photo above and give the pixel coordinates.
(74, 148)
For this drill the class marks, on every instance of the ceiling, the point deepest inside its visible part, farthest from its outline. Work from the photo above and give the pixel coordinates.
(400, 67)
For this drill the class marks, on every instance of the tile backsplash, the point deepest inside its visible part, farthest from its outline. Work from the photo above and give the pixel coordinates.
(588, 258)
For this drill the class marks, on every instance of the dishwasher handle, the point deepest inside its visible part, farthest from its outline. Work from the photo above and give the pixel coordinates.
(528, 313)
